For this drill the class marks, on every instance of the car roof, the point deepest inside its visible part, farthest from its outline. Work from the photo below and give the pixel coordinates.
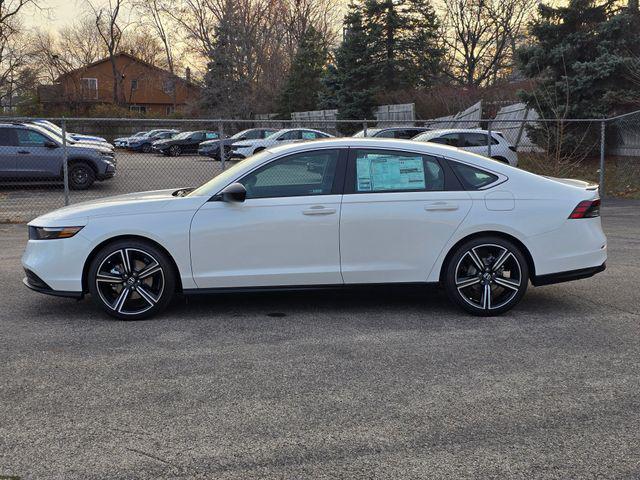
(302, 128)
(427, 148)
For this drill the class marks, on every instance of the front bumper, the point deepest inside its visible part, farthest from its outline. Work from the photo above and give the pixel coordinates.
(35, 283)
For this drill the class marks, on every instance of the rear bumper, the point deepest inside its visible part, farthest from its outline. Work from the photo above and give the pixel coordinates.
(568, 276)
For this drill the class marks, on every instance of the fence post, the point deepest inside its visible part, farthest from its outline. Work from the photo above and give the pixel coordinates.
(489, 138)
(221, 144)
(364, 129)
(602, 139)
(65, 166)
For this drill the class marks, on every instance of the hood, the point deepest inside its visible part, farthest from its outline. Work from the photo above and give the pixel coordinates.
(90, 146)
(131, 203)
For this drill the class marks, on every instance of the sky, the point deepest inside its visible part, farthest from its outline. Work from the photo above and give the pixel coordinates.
(54, 14)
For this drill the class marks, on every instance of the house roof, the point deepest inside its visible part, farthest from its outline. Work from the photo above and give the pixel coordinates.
(133, 58)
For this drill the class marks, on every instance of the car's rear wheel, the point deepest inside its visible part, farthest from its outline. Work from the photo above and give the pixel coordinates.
(487, 276)
(146, 148)
(175, 150)
(81, 176)
(131, 279)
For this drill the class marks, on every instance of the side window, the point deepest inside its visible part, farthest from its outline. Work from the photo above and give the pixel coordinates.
(211, 135)
(381, 171)
(472, 178)
(292, 135)
(386, 134)
(406, 134)
(29, 138)
(309, 135)
(475, 140)
(8, 137)
(302, 174)
(450, 139)
(197, 136)
(252, 135)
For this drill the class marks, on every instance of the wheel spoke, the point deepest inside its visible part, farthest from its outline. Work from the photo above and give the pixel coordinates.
(107, 278)
(500, 261)
(122, 298)
(476, 259)
(148, 297)
(149, 270)
(486, 297)
(124, 253)
(467, 282)
(507, 283)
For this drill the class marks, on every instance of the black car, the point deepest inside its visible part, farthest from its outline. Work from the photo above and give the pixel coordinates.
(211, 148)
(185, 142)
(143, 143)
(392, 132)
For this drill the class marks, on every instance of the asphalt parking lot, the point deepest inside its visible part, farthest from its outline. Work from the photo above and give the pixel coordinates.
(368, 384)
(136, 172)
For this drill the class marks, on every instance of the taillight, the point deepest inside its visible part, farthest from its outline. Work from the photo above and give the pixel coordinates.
(586, 209)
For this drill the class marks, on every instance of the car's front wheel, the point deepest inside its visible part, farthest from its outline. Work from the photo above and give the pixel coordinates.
(81, 176)
(131, 279)
(487, 276)
(175, 150)
(146, 148)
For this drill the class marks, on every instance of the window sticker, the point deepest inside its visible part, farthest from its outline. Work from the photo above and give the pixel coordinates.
(383, 173)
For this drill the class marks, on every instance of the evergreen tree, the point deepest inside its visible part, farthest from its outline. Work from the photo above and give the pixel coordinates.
(403, 36)
(348, 82)
(226, 88)
(304, 82)
(580, 58)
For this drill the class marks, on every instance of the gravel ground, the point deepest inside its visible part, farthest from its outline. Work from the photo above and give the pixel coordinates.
(368, 384)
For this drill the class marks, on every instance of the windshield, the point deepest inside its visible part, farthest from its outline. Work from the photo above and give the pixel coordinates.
(214, 185)
(240, 134)
(271, 134)
(182, 135)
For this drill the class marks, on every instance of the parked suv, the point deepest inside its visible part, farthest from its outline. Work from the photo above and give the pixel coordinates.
(29, 152)
(392, 132)
(475, 141)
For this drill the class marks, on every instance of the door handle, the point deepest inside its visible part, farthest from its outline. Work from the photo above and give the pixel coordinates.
(23, 152)
(319, 210)
(441, 207)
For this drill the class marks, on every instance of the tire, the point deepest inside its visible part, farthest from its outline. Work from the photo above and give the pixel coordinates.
(81, 176)
(136, 290)
(175, 151)
(146, 148)
(484, 265)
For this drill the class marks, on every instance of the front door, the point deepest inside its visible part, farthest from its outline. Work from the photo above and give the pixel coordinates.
(398, 212)
(34, 159)
(285, 233)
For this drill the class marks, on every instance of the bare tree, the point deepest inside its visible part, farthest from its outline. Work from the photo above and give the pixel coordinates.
(155, 13)
(481, 37)
(110, 27)
(14, 50)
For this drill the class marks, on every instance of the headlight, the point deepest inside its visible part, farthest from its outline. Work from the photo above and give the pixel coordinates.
(51, 233)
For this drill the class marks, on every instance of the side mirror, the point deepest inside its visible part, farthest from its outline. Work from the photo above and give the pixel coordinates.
(234, 193)
(50, 144)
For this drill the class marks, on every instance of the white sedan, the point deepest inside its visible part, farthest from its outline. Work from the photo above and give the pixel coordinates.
(246, 148)
(336, 213)
(475, 141)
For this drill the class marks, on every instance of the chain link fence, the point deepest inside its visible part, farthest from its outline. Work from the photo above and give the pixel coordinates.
(45, 165)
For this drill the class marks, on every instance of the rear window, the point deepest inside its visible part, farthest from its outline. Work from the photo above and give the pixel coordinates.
(472, 178)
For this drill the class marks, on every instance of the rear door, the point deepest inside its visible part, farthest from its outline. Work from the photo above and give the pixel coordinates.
(399, 209)
(8, 152)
